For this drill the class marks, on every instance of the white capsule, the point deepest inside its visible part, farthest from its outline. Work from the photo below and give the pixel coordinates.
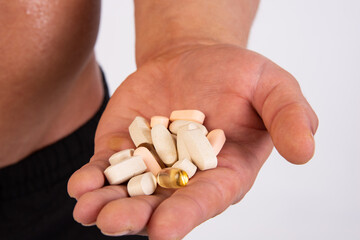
(124, 170)
(181, 147)
(199, 149)
(164, 144)
(187, 166)
(139, 131)
(144, 184)
(176, 125)
(119, 156)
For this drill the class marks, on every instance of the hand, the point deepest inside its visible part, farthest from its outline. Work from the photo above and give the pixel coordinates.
(253, 100)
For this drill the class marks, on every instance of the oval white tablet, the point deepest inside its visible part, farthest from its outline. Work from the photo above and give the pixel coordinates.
(124, 170)
(200, 149)
(187, 166)
(144, 184)
(119, 156)
(164, 144)
(139, 131)
(176, 125)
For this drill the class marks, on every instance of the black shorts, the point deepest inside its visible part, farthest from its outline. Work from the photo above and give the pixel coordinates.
(34, 203)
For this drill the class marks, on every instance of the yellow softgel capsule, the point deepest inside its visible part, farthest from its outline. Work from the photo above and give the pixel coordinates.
(172, 178)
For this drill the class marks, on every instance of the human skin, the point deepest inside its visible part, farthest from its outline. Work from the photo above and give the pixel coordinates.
(192, 55)
(50, 83)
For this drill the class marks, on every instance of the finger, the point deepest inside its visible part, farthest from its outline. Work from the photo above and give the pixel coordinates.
(127, 216)
(91, 176)
(111, 136)
(87, 178)
(207, 194)
(189, 207)
(287, 115)
(90, 204)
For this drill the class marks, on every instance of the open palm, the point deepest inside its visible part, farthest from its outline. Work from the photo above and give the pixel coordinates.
(253, 100)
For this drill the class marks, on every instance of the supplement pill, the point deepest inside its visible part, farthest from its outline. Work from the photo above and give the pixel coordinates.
(144, 184)
(190, 115)
(217, 139)
(149, 159)
(187, 166)
(159, 120)
(120, 156)
(164, 144)
(139, 131)
(172, 178)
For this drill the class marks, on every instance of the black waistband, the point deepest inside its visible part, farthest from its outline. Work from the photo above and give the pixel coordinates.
(53, 163)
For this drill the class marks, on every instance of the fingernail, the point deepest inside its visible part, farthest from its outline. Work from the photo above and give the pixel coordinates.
(116, 234)
(88, 224)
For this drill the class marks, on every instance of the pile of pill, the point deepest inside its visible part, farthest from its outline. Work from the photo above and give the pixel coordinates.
(169, 154)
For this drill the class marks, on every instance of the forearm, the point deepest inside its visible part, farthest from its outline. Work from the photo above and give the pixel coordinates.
(167, 24)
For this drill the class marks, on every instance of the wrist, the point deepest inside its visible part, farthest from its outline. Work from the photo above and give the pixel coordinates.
(170, 50)
(162, 25)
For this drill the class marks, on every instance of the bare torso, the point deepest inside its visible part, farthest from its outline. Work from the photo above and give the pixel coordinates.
(50, 83)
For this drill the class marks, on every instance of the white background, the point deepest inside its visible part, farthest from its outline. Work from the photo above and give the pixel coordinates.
(318, 41)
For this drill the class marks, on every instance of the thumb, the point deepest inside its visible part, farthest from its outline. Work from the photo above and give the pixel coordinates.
(287, 115)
